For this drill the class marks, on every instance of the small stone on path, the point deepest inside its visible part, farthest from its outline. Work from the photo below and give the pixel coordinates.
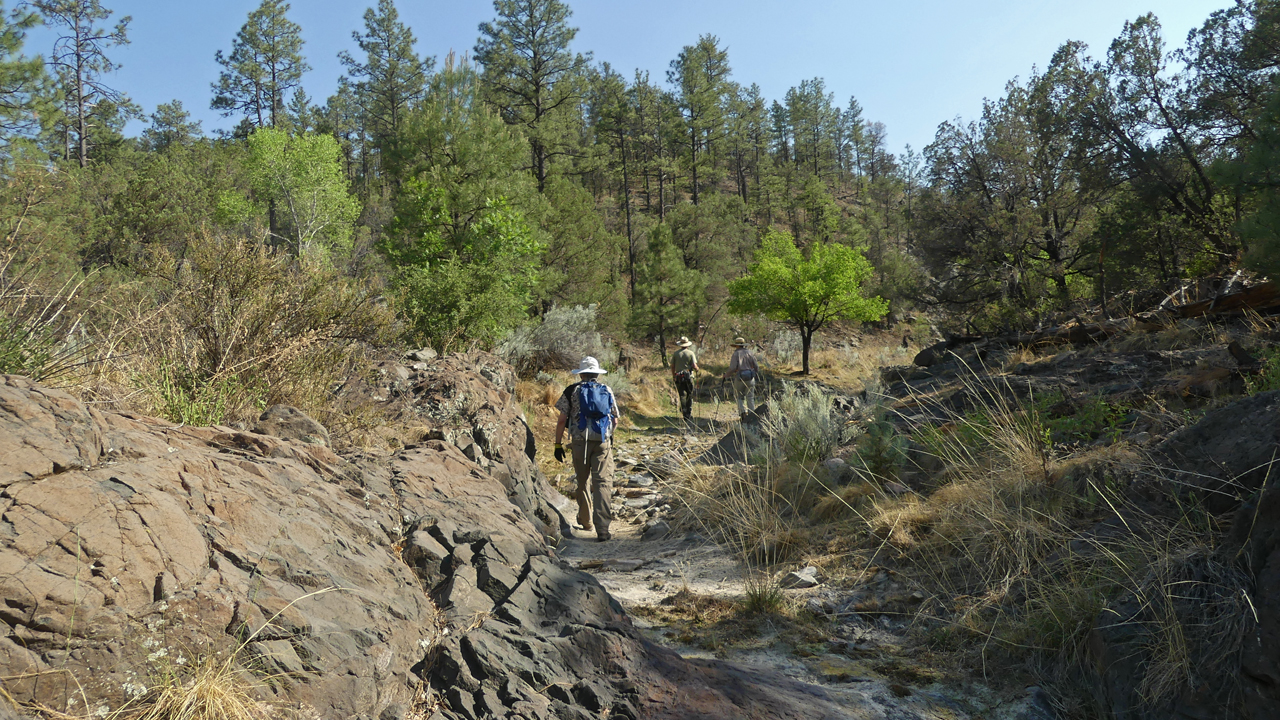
(801, 579)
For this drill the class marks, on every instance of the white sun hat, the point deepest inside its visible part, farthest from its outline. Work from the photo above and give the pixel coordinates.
(684, 342)
(589, 365)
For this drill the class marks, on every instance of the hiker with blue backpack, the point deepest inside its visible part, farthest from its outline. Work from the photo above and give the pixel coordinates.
(743, 371)
(590, 413)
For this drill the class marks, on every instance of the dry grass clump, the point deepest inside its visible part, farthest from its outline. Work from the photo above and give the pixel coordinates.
(41, 334)
(645, 396)
(215, 690)
(851, 366)
(734, 506)
(231, 327)
(846, 502)
(1023, 555)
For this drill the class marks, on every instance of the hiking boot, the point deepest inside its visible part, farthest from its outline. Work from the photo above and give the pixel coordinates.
(585, 528)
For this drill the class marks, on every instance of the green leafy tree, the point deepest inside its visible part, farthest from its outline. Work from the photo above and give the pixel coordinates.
(805, 293)
(464, 248)
(669, 295)
(303, 177)
(79, 59)
(531, 76)
(265, 64)
(473, 294)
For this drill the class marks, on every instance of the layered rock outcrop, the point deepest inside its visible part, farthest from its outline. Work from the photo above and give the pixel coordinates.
(420, 584)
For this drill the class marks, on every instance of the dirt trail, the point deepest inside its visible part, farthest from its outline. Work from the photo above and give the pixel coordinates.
(649, 576)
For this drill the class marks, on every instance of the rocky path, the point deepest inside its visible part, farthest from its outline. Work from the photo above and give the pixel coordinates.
(648, 567)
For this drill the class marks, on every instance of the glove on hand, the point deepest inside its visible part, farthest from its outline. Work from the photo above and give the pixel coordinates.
(559, 452)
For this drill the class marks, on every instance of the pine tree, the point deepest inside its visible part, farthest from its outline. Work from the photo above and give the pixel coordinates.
(530, 74)
(24, 86)
(264, 65)
(669, 295)
(701, 75)
(170, 125)
(390, 78)
(80, 60)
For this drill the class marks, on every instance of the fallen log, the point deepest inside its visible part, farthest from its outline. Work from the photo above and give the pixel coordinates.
(1259, 297)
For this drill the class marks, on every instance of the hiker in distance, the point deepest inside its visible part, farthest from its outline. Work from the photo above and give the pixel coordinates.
(684, 365)
(590, 412)
(743, 371)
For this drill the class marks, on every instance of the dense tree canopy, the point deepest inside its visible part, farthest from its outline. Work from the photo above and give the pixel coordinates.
(477, 198)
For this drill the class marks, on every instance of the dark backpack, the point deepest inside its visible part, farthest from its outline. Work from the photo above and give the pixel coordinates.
(594, 404)
(747, 374)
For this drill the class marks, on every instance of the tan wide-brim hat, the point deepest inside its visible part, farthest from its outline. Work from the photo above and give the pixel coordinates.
(684, 342)
(589, 365)
(739, 342)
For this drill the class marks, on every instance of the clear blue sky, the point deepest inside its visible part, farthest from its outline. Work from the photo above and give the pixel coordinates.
(911, 65)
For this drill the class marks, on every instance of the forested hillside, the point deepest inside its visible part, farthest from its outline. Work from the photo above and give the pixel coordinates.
(445, 201)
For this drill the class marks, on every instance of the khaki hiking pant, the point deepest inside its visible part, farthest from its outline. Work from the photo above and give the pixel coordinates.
(593, 460)
(744, 390)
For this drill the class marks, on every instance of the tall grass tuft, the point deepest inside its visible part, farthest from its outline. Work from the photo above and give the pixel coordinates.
(41, 335)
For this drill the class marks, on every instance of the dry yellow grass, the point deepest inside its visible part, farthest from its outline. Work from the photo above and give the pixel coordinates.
(216, 690)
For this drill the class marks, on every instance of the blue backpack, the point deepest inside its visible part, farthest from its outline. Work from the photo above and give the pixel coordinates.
(594, 404)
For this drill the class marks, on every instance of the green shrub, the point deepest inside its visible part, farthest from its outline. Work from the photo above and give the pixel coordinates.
(1268, 377)
(882, 449)
(187, 399)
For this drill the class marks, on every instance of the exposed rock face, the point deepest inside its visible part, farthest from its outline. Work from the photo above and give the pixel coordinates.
(1228, 455)
(290, 423)
(466, 400)
(128, 546)
(366, 587)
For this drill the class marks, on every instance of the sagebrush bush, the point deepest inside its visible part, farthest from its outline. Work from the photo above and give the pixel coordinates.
(559, 342)
(803, 423)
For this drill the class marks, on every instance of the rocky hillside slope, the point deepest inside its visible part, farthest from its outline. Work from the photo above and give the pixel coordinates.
(419, 584)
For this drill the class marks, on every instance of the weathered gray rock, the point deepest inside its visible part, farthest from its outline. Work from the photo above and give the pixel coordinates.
(290, 423)
(838, 470)
(467, 399)
(425, 354)
(801, 579)
(656, 530)
(637, 480)
(931, 355)
(1229, 453)
(666, 465)
(370, 586)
